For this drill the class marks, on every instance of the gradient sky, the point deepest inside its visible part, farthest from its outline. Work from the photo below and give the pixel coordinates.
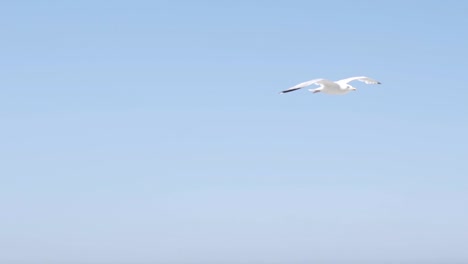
(153, 132)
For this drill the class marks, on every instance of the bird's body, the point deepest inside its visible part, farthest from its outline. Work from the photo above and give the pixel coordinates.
(329, 87)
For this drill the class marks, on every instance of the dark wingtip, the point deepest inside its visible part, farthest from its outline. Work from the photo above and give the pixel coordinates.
(288, 91)
(379, 83)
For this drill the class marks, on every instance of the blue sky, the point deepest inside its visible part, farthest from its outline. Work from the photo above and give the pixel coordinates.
(153, 132)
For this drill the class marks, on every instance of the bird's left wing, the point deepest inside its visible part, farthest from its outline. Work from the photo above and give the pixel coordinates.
(305, 84)
(364, 79)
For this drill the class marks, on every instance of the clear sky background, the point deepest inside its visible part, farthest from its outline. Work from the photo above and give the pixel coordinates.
(153, 132)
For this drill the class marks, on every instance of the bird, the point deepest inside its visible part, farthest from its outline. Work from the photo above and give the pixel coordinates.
(329, 87)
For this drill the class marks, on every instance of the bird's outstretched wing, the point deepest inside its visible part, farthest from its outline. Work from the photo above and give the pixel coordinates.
(305, 84)
(364, 79)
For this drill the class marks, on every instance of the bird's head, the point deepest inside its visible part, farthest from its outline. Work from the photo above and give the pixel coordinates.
(351, 88)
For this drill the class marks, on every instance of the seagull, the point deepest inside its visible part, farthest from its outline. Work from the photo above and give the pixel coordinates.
(330, 87)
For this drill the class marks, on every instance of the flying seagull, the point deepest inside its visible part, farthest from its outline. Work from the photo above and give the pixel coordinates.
(330, 87)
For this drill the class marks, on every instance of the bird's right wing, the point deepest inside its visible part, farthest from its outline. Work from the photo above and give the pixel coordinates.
(305, 84)
(363, 79)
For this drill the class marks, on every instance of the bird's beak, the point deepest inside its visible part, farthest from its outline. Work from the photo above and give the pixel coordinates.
(354, 89)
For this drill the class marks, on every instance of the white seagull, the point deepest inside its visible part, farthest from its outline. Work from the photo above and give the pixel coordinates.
(330, 87)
